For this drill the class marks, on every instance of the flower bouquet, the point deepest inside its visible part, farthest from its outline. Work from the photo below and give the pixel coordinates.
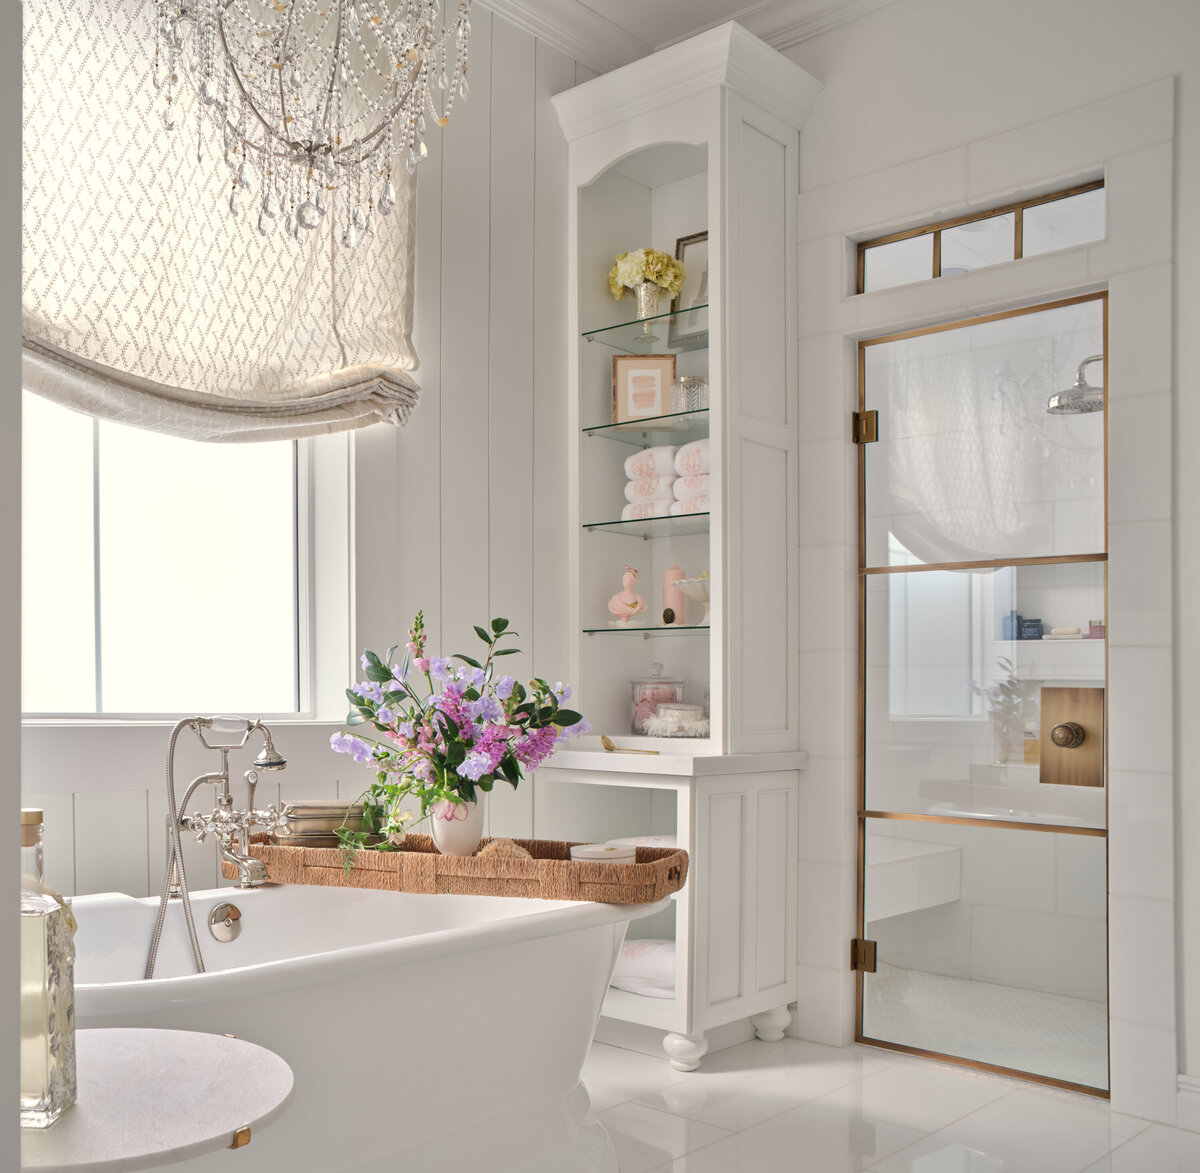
(442, 743)
(647, 264)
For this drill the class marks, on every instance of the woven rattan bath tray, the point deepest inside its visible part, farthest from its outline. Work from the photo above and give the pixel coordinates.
(419, 867)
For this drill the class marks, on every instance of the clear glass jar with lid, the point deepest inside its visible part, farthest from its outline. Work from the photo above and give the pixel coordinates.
(649, 692)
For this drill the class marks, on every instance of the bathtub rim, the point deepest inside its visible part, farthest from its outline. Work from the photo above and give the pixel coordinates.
(140, 995)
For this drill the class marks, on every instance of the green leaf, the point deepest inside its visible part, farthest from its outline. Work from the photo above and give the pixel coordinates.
(567, 717)
(466, 788)
(519, 692)
(467, 660)
(483, 635)
(498, 625)
(506, 652)
(510, 768)
(377, 670)
(485, 783)
(355, 719)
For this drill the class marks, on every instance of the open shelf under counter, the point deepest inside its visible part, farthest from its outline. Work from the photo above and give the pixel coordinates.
(677, 526)
(680, 427)
(675, 762)
(669, 333)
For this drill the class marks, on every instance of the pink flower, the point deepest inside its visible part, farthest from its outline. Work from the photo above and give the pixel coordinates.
(421, 663)
(451, 812)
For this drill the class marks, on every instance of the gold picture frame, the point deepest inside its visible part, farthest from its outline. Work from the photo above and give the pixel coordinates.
(688, 329)
(641, 386)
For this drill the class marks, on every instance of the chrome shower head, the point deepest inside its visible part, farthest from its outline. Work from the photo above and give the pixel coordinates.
(269, 758)
(1080, 399)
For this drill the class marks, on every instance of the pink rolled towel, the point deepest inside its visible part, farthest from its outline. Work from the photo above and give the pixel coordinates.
(692, 459)
(691, 505)
(686, 487)
(652, 462)
(649, 489)
(640, 510)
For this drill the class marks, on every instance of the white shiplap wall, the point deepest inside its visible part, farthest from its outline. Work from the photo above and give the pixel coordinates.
(462, 513)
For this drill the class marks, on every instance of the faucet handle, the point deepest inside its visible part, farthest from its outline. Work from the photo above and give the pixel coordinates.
(272, 819)
(251, 777)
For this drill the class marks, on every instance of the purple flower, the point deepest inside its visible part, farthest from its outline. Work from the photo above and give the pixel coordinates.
(407, 729)
(472, 677)
(489, 709)
(386, 715)
(355, 746)
(371, 691)
(439, 668)
(475, 766)
(562, 692)
(504, 687)
(366, 664)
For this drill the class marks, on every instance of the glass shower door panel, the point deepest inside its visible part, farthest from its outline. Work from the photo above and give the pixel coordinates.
(969, 465)
(990, 946)
(956, 664)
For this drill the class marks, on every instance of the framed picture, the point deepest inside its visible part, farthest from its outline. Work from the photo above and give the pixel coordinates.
(641, 385)
(689, 327)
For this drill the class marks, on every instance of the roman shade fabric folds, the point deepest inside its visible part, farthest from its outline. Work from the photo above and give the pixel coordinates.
(144, 301)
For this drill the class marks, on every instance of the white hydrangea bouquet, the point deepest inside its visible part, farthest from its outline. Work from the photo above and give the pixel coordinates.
(647, 264)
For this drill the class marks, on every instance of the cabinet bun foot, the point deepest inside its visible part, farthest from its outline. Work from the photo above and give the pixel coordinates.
(770, 1024)
(685, 1051)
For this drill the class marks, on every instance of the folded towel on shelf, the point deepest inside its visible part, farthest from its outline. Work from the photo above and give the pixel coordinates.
(685, 487)
(647, 968)
(691, 505)
(652, 462)
(640, 510)
(692, 459)
(649, 489)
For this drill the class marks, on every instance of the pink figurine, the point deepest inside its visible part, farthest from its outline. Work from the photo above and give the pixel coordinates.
(625, 604)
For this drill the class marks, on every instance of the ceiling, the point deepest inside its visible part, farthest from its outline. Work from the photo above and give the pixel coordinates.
(605, 34)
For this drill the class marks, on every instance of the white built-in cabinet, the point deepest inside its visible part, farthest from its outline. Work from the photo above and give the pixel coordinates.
(702, 136)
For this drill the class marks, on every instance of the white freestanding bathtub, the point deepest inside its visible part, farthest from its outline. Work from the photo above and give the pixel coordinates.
(427, 1033)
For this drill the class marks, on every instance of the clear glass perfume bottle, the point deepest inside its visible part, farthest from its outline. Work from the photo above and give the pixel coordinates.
(47, 988)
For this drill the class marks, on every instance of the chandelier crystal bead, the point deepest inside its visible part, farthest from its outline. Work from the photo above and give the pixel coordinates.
(316, 92)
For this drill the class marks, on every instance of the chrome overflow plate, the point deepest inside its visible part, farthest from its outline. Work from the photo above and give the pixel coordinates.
(225, 922)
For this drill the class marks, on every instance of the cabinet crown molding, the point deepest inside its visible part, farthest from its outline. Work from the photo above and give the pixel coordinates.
(727, 56)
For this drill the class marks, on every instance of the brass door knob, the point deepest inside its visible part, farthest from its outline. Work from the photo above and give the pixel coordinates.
(1068, 735)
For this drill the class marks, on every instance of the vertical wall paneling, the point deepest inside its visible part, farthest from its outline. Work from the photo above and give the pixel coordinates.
(111, 845)
(511, 374)
(551, 643)
(466, 291)
(725, 875)
(775, 813)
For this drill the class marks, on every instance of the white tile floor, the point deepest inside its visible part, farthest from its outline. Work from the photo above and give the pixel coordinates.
(794, 1107)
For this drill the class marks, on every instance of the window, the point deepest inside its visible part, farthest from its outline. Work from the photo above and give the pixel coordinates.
(1029, 228)
(159, 575)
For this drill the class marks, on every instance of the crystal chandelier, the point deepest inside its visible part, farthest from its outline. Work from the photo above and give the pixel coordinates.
(314, 98)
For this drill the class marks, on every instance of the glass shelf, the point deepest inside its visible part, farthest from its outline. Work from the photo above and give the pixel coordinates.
(655, 527)
(662, 334)
(647, 632)
(677, 428)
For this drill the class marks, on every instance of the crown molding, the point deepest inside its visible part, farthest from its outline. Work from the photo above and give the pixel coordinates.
(598, 43)
(727, 55)
(573, 29)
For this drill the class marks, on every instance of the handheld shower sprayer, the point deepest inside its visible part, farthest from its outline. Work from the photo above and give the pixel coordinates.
(230, 827)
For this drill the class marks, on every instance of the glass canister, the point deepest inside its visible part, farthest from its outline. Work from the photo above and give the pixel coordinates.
(689, 393)
(651, 691)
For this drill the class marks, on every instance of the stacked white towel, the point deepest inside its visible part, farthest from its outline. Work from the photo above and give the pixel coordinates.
(692, 459)
(652, 462)
(691, 505)
(686, 488)
(641, 510)
(647, 968)
(651, 474)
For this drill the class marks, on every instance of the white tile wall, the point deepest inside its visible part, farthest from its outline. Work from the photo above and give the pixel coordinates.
(111, 845)
(1143, 1064)
(1139, 344)
(1139, 578)
(1139, 992)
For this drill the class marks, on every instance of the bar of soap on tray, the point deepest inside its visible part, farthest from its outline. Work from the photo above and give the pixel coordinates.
(605, 852)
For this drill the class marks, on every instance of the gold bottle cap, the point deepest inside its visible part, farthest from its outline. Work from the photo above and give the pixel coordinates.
(31, 816)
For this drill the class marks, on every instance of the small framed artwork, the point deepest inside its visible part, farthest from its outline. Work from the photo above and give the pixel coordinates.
(641, 385)
(689, 325)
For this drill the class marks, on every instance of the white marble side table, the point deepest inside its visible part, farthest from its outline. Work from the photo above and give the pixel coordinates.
(152, 1097)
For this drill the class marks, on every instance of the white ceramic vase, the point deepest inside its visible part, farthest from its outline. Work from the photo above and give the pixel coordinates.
(457, 828)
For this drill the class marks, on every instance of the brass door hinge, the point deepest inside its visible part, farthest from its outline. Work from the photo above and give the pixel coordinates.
(862, 955)
(865, 427)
